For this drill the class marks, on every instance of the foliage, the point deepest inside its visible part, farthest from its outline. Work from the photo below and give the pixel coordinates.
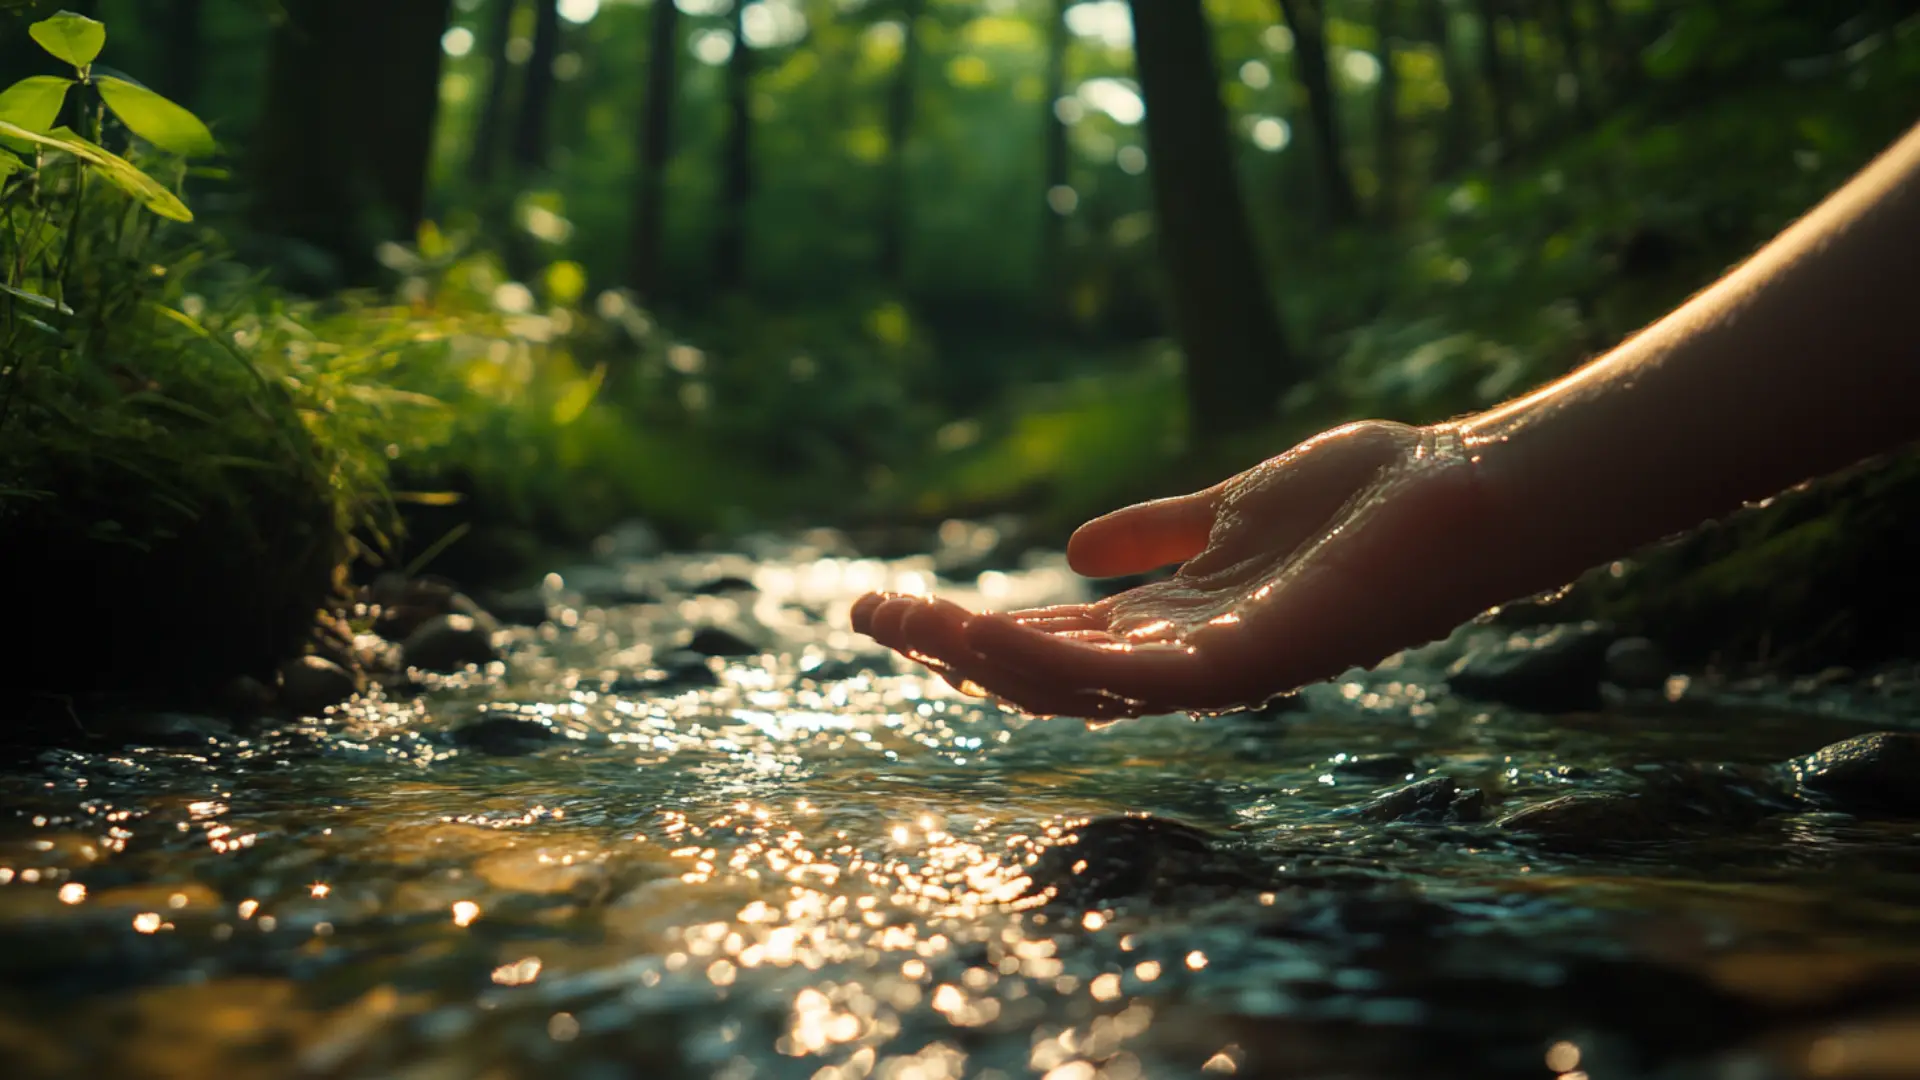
(165, 423)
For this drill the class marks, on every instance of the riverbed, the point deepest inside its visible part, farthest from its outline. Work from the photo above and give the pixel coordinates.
(606, 856)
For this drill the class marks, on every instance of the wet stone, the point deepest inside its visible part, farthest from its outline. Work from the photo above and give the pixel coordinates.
(504, 736)
(677, 671)
(448, 643)
(839, 668)
(725, 583)
(1373, 766)
(1112, 858)
(718, 641)
(1551, 669)
(1435, 800)
(1868, 774)
(1636, 663)
(521, 607)
(311, 684)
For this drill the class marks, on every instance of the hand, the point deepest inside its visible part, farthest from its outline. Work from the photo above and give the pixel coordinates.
(1354, 544)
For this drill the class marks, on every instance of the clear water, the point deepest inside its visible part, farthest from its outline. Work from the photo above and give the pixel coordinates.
(789, 876)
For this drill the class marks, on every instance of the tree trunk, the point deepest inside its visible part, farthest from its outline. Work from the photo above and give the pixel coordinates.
(1456, 123)
(1053, 226)
(1493, 68)
(352, 95)
(532, 126)
(1304, 17)
(1386, 114)
(181, 37)
(893, 195)
(493, 107)
(656, 147)
(736, 185)
(1566, 32)
(1237, 361)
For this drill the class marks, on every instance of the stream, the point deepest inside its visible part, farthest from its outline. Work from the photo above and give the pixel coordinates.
(605, 857)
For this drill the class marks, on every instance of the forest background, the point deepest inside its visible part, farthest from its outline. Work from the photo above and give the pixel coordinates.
(453, 281)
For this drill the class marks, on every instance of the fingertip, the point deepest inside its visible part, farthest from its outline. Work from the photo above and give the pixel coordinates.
(862, 611)
(888, 619)
(1143, 536)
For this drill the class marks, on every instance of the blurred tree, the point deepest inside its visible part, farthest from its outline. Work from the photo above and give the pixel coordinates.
(182, 43)
(352, 95)
(1307, 20)
(1493, 67)
(493, 107)
(1386, 114)
(533, 121)
(900, 103)
(736, 183)
(1456, 120)
(1237, 360)
(1566, 33)
(1056, 175)
(656, 147)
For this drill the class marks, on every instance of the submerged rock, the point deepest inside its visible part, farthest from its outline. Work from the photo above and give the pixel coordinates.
(309, 685)
(1111, 858)
(1551, 670)
(718, 641)
(504, 736)
(677, 671)
(1636, 663)
(1877, 773)
(1373, 766)
(448, 643)
(1435, 800)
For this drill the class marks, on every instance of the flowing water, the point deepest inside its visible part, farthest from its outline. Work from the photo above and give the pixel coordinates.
(593, 860)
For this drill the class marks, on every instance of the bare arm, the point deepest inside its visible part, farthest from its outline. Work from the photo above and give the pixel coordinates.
(1804, 360)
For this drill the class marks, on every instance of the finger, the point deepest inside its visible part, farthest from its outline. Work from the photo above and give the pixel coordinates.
(887, 619)
(1064, 617)
(1140, 538)
(1143, 672)
(936, 632)
(863, 609)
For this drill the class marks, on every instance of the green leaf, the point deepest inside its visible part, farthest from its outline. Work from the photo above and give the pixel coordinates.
(154, 118)
(115, 169)
(73, 38)
(9, 164)
(35, 299)
(34, 102)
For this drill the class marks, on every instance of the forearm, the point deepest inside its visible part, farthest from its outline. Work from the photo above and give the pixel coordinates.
(1802, 361)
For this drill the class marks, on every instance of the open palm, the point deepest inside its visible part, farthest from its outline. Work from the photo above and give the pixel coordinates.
(1346, 548)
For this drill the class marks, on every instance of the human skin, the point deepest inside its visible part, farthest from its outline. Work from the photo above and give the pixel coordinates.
(1376, 536)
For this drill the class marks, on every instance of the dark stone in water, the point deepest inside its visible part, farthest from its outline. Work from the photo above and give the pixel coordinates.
(834, 670)
(1671, 798)
(504, 736)
(311, 684)
(1869, 774)
(1374, 766)
(448, 643)
(1636, 663)
(1435, 800)
(716, 641)
(520, 607)
(1550, 670)
(1111, 858)
(679, 670)
(726, 583)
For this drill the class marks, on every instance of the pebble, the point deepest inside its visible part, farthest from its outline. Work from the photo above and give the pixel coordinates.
(504, 736)
(1876, 774)
(1636, 663)
(717, 641)
(1550, 670)
(309, 685)
(1434, 800)
(448, 643)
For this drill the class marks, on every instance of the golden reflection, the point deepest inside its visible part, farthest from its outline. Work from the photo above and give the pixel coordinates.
(147, 922)
(519, 973)
(1196, 960)
(319, 890)
(464, 912)
(72, 893)
(1563, 1057)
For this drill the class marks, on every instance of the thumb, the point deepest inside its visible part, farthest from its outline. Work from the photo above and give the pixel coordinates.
(1144, 537)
